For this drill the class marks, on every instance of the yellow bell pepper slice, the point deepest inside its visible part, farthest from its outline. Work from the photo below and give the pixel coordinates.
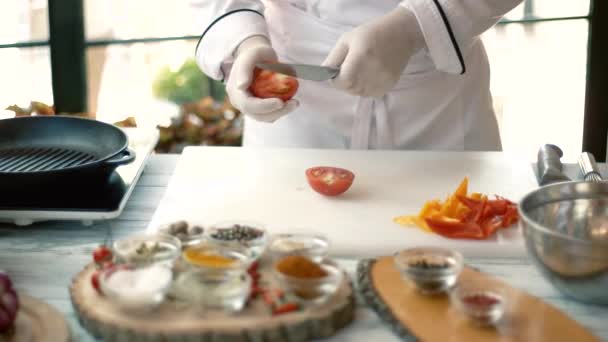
(451, 208)
(462, 189)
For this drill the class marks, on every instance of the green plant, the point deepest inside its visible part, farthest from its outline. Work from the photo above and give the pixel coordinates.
(206, 116)
(187, 84)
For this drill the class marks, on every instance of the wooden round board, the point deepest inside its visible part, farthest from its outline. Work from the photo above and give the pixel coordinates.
(416, 317)
(37, 322)
(179, 321)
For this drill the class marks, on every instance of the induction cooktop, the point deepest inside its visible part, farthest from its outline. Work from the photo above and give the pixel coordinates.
(87, 204)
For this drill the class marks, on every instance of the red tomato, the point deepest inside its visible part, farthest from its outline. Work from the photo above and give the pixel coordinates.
(329, 181)
(269, 84)
(102, 254)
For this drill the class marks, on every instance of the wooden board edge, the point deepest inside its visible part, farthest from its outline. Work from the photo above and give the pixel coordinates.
(370, 295)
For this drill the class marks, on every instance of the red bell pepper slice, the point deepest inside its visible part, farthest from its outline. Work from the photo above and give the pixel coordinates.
(511, 216)
(482, 212)
(470, 203)
(491, 225)
(497, 206)
(455, 229)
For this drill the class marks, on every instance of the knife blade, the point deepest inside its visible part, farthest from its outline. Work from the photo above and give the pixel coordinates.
(303, 71)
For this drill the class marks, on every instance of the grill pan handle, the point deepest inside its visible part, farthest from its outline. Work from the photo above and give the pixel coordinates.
(125, 157)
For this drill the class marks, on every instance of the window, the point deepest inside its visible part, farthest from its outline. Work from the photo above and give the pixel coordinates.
(24, 54)
(538, 56)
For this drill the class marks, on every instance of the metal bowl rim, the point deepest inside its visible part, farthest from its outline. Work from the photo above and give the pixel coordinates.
(539, 227)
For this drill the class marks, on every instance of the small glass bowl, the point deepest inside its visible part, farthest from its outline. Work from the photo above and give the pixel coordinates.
(314, 290)
(313, 246)
(483, 306)
(240, 258)
(213, 290)
(432, 270)
(249, 235)
(139, 249)
(188, 233)
(140, 291)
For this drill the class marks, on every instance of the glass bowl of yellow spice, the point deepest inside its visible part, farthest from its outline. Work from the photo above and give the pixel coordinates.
(210, 258)
(306, 279)
(216, 277)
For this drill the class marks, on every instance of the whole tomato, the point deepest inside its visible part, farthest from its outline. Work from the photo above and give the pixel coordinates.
(270, 84)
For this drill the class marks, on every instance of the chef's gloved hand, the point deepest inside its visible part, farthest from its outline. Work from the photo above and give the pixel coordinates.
(251, 51)
(372, 56)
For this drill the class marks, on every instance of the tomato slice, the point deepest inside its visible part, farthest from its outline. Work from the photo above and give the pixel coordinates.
(270, 84)
(329, 181)
(455, 229)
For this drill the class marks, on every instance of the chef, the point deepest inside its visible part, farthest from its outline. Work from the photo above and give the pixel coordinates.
(414, 74)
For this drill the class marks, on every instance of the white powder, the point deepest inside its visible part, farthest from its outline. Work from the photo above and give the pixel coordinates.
(139, 283)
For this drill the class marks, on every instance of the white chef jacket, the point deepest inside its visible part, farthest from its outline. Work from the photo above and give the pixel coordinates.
(442, 100)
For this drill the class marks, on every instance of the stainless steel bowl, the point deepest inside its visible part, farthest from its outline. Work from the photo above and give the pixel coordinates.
(566, 231)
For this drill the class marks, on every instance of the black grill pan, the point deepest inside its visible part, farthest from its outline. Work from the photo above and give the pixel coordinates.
(59, 150)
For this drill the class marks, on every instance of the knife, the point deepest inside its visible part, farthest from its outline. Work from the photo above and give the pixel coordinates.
(549, 165)
(588, 165)
(303, 71)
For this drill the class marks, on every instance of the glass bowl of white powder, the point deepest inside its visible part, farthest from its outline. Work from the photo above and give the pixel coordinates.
(136, 288)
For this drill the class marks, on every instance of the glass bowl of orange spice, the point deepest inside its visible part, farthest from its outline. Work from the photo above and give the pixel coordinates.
(307, 279)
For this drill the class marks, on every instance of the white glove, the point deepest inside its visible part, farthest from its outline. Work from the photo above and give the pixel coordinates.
(372, 56)
(251, 51)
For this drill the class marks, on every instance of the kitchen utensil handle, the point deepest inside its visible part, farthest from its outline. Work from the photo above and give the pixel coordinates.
(588, 165)
(549, 166)
(122, 158)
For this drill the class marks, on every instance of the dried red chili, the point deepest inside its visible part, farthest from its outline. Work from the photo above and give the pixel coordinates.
(285, 308)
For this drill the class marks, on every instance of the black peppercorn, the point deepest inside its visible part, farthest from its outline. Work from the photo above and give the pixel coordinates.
(424, 264)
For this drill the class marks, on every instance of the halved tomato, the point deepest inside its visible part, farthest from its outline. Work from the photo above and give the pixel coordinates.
(269, 84)
(329, 181)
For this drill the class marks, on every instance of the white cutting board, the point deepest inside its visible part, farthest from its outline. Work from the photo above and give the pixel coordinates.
(213, 184)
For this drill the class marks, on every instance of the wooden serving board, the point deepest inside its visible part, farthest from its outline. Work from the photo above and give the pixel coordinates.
(179, 321)
(37, 322)
(416, 317)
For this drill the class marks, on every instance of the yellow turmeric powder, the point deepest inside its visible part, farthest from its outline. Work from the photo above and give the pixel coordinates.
(204, 258)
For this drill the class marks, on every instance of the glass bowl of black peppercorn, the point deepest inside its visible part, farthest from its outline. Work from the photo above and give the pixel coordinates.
(432, 270)
(245, 234)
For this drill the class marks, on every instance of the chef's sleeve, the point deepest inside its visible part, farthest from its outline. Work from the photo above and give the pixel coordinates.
(226, 24)
(451, 26)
